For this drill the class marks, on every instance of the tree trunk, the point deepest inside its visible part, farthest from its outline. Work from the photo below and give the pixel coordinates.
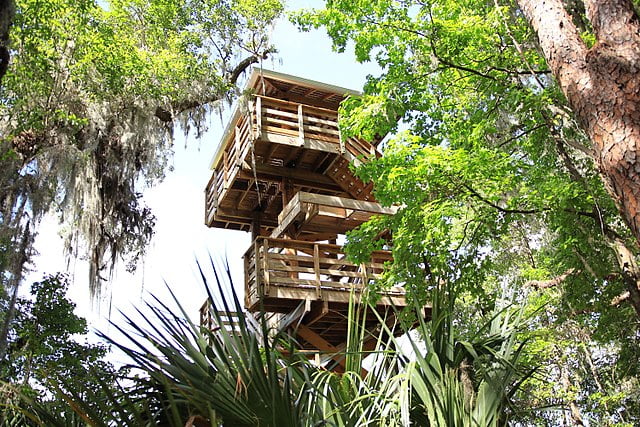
(17, 267)
(7, 13)
(602, 85)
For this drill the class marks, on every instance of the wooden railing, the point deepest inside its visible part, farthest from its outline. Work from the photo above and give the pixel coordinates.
(234, 154)
(279, 122)
(295, 269)
(229, 321)
(290, 122)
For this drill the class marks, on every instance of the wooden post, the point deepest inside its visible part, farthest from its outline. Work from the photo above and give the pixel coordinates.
(258, 117)
(287, 191)
(256, 223)
(265, 264)
(214, 189)
(236, 161)
(225, 165)
(300, 125)
(247, 285)
(316, 268)
(256, 268)
(341, 138)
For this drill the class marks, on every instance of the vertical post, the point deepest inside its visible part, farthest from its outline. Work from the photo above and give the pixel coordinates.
(300, 125)
(341, 138)
(265, 264)
(287, 191)
(255, 226)
(236, 161)
(247, 284)
(316, 269)
(256, 268)
(225, 165)
(214, 190)
(258, 117)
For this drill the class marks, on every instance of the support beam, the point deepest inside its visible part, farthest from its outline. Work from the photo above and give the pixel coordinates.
(320, 343)
(319, 309)
(301, 178)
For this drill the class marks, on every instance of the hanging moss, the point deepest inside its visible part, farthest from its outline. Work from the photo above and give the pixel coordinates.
(90, 104)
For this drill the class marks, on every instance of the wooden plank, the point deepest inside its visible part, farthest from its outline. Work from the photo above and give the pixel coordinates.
(302, 258)
(280, 281)
(247, 280)
(312, 270)
(258, 117)
(297, 175)
(321, 130)
(319, 145)
(275, 130)
(230, 214)
(316, 267)
(300, 125)
(284, 224)
(320, 343)
(292, 113)
(276, 101)
(237, 142)
(273, 120)
(265, 269)
(284, 281)
(314, 119)
(342, 202)
(329, 294)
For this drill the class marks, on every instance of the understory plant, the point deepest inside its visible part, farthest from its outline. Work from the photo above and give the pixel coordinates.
(181, 374)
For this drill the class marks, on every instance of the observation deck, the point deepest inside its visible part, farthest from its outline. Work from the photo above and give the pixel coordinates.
(283, 171)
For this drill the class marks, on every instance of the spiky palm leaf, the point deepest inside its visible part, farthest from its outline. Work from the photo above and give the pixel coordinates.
(195, 377)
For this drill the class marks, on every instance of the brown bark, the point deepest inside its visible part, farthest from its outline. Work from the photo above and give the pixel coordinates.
(602, 85)
(7, 13)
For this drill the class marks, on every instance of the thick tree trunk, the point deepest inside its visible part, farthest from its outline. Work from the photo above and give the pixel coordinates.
(7, 13)
(602, 85)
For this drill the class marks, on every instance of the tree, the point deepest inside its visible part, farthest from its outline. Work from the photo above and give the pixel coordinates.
(89, 106)
(7, 12)
(601, 85)
(498, 176)
(46, 354)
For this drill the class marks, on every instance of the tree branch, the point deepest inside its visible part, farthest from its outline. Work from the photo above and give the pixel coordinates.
(620, 298)
(478, 196)
(544, 284)
(167, 115)
(610, 20)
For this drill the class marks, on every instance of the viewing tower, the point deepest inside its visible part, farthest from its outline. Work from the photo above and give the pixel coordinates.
(282, 172)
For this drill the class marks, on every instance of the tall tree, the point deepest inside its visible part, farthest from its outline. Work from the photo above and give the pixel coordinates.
(499, 179)
(88, 108)
(602, 86)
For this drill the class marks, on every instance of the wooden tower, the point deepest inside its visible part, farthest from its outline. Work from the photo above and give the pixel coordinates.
(282, 173)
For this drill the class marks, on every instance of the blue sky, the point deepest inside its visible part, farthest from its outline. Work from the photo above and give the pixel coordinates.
(178, 202)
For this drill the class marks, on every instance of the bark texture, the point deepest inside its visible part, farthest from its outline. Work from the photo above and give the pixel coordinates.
(7, 13)
(602, 85)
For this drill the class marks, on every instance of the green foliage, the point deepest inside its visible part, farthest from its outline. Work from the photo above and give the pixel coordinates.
(90, 103)
(44, 346)
(494, 179)
(46, 357)
(241, 376)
